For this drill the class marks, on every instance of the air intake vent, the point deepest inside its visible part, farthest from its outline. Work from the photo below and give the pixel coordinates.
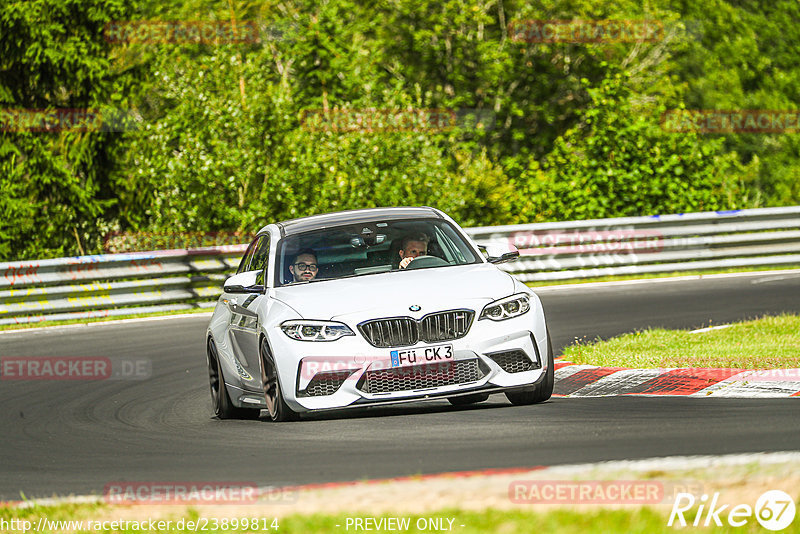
(421, 376)
(514, 361)
(394, 332)
(325, 383)
(444, 326)
(405, 331)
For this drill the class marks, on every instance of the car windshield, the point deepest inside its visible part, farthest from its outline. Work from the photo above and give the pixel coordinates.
(370, 248)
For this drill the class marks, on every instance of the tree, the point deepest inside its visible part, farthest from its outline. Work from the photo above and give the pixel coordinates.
(54, 188)
(619, 161)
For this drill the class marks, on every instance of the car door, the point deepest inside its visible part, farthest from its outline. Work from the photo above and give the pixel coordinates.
(243, 327)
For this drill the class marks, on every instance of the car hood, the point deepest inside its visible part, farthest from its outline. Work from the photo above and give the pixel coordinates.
(391, 294)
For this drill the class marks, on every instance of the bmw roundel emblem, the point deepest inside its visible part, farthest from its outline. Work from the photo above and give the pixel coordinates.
(414, 307)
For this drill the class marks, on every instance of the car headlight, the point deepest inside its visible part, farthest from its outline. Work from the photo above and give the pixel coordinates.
(506, 308)
(306, 330)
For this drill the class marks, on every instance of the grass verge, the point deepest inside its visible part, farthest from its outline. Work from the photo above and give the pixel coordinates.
(598, 521)
(771, 342)
(45, 324)
(465, 504)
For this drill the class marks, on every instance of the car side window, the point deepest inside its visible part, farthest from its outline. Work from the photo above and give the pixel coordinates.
(260, 258)
(248, 257)
(450, 249)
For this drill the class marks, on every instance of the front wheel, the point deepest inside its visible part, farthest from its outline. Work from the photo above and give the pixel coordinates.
(544, 390)
(220, 400)
(276, 405)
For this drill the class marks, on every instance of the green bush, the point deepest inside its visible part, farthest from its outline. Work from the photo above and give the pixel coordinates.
(619, 161)
(221, 143)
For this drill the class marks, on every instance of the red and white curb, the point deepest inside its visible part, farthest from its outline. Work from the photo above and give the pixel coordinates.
(573, 380)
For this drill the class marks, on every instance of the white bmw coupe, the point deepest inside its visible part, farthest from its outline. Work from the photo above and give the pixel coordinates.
(370, 307)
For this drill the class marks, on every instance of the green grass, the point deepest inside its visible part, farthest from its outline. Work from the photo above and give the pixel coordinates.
(620, 278)
(524, 520)
(57, 512)
(772, 342)
(101, 319)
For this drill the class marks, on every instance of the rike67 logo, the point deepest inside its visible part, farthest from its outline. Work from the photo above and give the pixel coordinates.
(774, 510)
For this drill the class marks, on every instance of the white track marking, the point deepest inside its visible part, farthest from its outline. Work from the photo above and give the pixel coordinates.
(106, 323)
(638, 281)
(710, 328)
(775, 278)
(713, 389)
(610, 385)
(570, 370)
(593, 470)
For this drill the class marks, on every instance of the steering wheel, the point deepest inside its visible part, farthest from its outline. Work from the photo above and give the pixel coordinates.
(423, 262)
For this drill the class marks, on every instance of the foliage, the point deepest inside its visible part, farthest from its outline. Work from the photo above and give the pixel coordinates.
(568, 130)
(618, 161)
(54, 184)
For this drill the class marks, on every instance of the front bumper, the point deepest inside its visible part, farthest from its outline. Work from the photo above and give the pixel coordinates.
(350, 372)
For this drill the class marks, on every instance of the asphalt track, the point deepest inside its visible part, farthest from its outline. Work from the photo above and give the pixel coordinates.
(61, 437)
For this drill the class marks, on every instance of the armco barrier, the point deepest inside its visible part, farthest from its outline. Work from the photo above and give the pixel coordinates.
(114, 284)
(653, 244)
(167, 280)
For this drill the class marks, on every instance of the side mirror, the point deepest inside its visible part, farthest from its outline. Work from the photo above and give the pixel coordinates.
(499, 252)
(244, 283)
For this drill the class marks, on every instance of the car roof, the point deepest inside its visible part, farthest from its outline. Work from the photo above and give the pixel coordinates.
(316, 222)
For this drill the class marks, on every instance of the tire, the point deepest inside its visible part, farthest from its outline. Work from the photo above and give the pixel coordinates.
(465, 400)
(278, 410)
(220, 400)
(544, 390)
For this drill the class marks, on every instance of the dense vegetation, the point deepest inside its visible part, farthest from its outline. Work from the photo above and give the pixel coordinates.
(216, 136)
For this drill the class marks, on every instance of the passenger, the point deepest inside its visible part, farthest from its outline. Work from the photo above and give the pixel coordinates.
(413, 246)
(304, 266)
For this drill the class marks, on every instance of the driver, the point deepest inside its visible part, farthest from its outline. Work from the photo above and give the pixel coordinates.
(413, 246)
(304, 266)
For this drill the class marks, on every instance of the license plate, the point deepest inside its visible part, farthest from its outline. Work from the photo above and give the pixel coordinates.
(422, 355)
